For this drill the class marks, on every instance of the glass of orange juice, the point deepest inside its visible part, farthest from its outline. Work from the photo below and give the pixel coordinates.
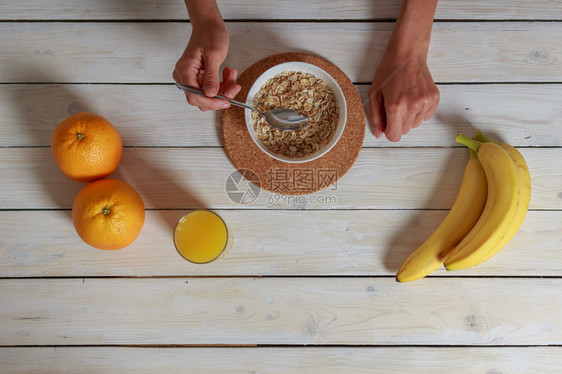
(200, 236)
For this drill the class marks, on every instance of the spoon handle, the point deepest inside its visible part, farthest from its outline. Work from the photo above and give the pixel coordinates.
(199, 92)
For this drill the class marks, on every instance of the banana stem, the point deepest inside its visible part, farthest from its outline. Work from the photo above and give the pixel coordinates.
(470, 143)
(482, 138)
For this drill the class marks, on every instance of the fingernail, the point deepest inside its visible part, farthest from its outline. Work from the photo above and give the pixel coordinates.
(237, 90)
(225, 105)
(210, 87)
(378, 133)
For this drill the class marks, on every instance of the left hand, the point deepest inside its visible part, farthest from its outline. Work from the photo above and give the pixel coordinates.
(402, 96)
(199, 67)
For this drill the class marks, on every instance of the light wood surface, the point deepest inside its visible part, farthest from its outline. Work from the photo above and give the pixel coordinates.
(146, 52)
(280, 360)
(342, 242)
(524, 115)
(361, 310)
(306, 285)
(274, 10)
(171, 178)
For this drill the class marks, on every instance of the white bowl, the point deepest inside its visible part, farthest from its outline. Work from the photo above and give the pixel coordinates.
(305, 68)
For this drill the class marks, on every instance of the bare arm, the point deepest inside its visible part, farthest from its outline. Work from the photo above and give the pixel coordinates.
(200, 63)
(403, 93)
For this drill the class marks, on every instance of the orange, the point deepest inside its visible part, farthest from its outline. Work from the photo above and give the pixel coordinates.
(108, 214)
(86, 147)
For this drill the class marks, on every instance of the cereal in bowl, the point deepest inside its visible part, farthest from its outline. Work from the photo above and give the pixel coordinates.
(308, 95)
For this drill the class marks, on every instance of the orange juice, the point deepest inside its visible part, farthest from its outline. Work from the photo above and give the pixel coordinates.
(200, 236)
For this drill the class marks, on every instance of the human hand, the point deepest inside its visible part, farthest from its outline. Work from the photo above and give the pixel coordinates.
(199, 67)
(402, 96)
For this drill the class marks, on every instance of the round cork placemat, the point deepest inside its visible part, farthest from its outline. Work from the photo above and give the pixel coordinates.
(293, 178)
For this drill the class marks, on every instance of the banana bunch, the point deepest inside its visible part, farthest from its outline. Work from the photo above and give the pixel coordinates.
(489, 209)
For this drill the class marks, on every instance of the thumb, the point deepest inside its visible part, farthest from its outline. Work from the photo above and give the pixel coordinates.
(211, 81)
(378, 118)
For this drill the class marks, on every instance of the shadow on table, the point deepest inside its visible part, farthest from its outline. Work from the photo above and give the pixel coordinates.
(458, 123)
(39, 110)
(156, 185)
(405, 241)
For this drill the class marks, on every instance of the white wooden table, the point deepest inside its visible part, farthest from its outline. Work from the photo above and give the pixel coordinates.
(306, 287)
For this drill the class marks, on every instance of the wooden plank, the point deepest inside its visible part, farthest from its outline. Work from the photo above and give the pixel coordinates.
(157, 115)
(141, 52)
(145, 115)
(270, 9)
(280, 311)
(304, 360)
(381, 178)
(267, 243)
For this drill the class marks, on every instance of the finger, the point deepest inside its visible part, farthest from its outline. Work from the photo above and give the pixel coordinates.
(211, 81)
(226, 73)
(408, 122)
(433, 106)
(419, 119)
(229, 76)
(232, 91)
(193, 100)
(431, 111)
(395, 116)
(420, 115)
(206, 103)
(186, 71)
(377, 116)
(229, 88)
(176, 75)
(190, 74)
(200, 78)
(190, 99)
(228, 79)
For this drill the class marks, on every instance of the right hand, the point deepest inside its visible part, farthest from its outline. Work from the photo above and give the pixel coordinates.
(402, 96)
(199, 67)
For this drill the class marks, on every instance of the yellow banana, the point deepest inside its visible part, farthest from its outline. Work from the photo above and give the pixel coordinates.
(525, 185)
(501, 206)
(464, 214)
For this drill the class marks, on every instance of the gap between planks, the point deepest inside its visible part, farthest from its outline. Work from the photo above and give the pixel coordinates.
(304, 276)
(257, 346)
(280, 20)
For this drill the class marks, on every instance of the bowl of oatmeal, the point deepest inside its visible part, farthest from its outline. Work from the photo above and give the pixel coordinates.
(312, 92)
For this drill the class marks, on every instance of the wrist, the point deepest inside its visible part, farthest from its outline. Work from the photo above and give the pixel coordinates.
(399, 51)
(212, 26)
(412, 33)
(204, 14)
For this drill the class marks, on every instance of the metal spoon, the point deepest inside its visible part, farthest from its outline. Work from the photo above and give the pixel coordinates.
(280, 118)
